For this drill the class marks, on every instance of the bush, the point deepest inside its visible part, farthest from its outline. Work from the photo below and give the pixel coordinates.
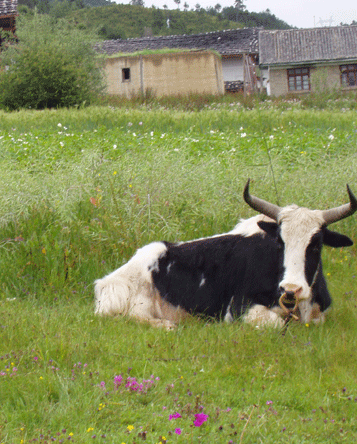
(53, 65)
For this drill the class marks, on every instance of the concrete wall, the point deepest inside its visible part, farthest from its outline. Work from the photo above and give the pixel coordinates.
(321, 78)
(166, 74)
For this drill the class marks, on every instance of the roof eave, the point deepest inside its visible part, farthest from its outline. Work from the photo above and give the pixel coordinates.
(308, 62)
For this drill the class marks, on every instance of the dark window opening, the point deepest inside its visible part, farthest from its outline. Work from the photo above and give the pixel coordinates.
(348, 75)
(126, 74)
(299, 79)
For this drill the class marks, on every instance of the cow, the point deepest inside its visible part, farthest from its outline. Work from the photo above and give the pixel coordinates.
(266, 270)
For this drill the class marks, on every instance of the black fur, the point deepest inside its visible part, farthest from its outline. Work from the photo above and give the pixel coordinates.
(208, 276)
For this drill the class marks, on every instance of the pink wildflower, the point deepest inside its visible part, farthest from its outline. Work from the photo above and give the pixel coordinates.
(200, 418)
(117, 381)
(178, 431)
(174, 416)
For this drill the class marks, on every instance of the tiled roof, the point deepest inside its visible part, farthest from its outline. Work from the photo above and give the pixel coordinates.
(232, 41)
(8, 7)
(307, 45)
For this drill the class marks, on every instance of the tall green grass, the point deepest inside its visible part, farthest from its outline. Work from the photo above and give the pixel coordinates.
(81, 190)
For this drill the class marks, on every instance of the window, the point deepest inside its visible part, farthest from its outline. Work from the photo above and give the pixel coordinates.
(125, 74)
(348, 75)
(299, 79)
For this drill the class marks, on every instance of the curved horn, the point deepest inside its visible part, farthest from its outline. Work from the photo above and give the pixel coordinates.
(338, 213)
(260, 205)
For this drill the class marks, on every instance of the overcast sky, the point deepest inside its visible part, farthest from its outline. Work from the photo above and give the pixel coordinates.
(299, 13)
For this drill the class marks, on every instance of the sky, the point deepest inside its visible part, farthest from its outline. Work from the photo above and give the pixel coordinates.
(299, 13)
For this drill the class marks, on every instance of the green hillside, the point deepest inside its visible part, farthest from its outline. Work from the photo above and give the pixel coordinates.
(113, 21)
(126, 21)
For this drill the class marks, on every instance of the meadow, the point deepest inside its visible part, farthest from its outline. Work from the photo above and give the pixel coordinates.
(81, 190)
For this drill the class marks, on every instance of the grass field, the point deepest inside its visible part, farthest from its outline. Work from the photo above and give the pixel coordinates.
(81, 191)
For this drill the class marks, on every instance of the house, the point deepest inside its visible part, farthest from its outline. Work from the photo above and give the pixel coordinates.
(162, 74)
(238, 49)
(8, 13)
(298, 61)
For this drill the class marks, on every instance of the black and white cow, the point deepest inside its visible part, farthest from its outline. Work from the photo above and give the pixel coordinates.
(242, 273)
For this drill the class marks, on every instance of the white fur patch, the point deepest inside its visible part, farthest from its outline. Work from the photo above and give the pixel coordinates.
(250, 227)
(127, 290)
(262, 316)
(228, 316)
(298, 225)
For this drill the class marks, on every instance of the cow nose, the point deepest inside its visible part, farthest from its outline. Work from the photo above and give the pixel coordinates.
(290, 296)
(291, 291)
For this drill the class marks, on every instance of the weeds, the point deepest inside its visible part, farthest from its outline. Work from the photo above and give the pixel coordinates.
(81, 190)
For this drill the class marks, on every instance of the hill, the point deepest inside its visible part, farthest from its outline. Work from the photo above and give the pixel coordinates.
(128, 21)
(114, 21)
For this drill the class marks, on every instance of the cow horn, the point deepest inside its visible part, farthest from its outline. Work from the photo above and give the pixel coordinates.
(260, 205)
(338, 213)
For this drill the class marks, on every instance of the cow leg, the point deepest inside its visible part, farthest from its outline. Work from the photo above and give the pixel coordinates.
(262, 316)
(313, 314)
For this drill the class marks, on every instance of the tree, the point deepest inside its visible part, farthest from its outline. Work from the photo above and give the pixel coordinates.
(158, 20)
(177, 3)
(218, 7)
(53, 65)
(238, 4)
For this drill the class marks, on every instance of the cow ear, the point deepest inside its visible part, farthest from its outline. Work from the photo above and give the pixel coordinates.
(270, 228)
(336, 240)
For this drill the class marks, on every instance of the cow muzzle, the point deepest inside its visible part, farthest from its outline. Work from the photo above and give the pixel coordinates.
(289, 301)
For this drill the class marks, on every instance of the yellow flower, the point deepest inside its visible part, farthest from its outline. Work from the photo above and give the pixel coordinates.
(130, 428)
(70, 434)
(307, 325)
(114, 173)
(90, 429)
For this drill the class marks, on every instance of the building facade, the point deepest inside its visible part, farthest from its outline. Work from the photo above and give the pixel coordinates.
(238, 49)
(160, 74)
(299, 61)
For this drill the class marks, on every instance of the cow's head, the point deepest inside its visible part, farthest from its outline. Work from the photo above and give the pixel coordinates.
(300, 233)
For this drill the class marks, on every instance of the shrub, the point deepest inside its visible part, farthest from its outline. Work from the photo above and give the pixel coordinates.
(53, 65)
